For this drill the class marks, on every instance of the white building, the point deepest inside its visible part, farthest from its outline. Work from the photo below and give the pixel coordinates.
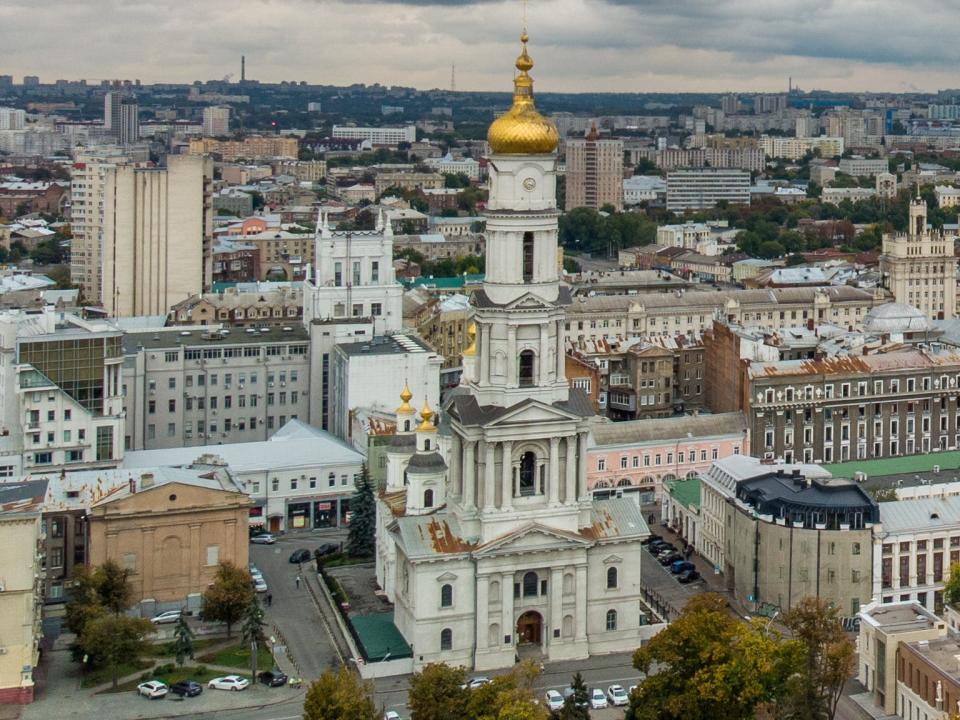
(836, 195)
(860, 166)
(301, 478)
(390, 136)
(794, 148)
(12, 118)
(449, 164)
(705, 187)
(687, 235)
(216, 121)
(643, 188)
(947, 196)
(499, 550)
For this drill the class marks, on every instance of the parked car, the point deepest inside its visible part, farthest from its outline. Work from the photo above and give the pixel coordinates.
(679, 566)
(664, 549)
(391, 715)
(170, 616)
(264, 539)
(617, 695)
(669, 558)
(260, 585)
(598, 700)
(688, 576)
(186, 688)
(328, 549)
(273, 678)
(656, 545)
(229, 682)
(652, 537)
(554, 700)
(153, 689)
(301, 555)
(476, 682)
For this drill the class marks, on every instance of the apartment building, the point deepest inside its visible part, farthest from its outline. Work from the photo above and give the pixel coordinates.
(446, 329)
(383, 136)
(836, 195)
(919, 267)
(21, 536)
(236, 307)
(313, 171)
(947, 196)
(692, 312)
(705, 187)
(641, 384)
(594, 172)
(216, 121)
(794, 148)
(157, 234)
(254, 147)
(187, 388)
(60, 393)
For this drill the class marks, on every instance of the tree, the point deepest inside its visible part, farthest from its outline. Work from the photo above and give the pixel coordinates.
(115, 640)
(361, 539)
(182, 641)
(951, 589)
(84, 603)
(339, 695)
(577, 705)
(113, 587)
(253, 632)
(228, 598)
(437, 693)
(646, 167)
(828, 661)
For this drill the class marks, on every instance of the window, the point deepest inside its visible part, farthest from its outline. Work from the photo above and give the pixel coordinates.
(56, 557)
(611, 578)
(446, 596)
(56, 527)
(446, 639)
(172, 383)
(376, 309)
(428, 498)
(293, 483)
(611, 620)
(530, 584)
(275, 484)
(528, 474)
(171, 405)
(213, 555)
(375, 272)
(526, 368)
(528, 257)
(332, 479)
(601, 463)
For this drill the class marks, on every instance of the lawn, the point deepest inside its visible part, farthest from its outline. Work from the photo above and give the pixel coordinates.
(198, 674)
(238, 656)
(104, 674)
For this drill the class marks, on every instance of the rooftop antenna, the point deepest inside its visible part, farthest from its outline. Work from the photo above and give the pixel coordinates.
(453, 77)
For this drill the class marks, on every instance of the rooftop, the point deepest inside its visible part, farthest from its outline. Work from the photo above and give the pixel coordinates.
(204, 337)
(900, 617)
(22, 496)
(927, 513)
(942, 652)
(386, 345)
(686, 492)
(648, 431)
(948, 461)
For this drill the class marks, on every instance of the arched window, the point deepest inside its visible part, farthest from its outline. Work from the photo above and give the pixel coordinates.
(406, 426)
(526, 368)
(446, 596)
(611, 578)
(428, 498)
(528, 257)
(624, 482)
(446, 639)
(528, 474)
(611, 619)
(530, 584)
(426, 444)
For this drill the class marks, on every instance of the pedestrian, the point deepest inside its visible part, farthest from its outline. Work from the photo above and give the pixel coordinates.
(298, 582)
(269, 599)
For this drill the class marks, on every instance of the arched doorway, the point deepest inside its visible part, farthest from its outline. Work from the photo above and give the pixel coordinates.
(530, 628)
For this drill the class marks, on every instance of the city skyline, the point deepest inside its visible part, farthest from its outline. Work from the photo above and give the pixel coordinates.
(599, 45)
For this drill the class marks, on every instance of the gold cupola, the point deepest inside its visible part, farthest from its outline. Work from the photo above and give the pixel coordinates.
(471, 349)
(426, 421)
(522, 130)
(405, 397)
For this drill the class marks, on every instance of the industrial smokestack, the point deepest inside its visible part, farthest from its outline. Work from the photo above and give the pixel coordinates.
(243, 68)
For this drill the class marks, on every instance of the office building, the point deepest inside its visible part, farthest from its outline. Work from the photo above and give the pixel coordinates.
(12, 118)
(216, 121)
(21, 586)
(861, 166)
(919, 266)
(704, 188)
(121, 116)
(594, 172)
(384, 136)
(156, 234)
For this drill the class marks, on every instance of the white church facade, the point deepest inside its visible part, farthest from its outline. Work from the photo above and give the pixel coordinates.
(489, 543)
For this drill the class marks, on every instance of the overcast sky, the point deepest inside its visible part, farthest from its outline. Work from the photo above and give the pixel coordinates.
(578, 45)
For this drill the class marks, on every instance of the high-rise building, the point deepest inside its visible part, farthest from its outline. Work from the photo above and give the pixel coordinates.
(121, 116)
(594, 172)
(517, 555)
(919, 266)
(155, 229)
(216, 121)
(12, 118)
(31, 81)
(6, 81)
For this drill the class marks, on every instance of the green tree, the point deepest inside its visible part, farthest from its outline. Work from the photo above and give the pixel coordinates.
(182, 641)
(577, 705)
(115, 640)
(252, 630)
(456, 180)
(646, 167)
(437, 693)
(951, 589)
(112, 583)
(228, 598)
(339, 695)
(84, 602)
(828, 661)
(361, 539)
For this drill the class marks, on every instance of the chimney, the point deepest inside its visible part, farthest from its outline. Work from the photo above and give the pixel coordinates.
(133, 485)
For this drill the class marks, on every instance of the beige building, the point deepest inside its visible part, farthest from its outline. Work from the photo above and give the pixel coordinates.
(407, 181)
(947, 196)
(447, 328)
(171, 527)
(594, 172)
(156, 235)
(21, 537)
(250, 148)
(919, 266)
(314, 171)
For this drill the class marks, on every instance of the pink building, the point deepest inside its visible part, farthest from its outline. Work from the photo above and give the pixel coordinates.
(638, 456)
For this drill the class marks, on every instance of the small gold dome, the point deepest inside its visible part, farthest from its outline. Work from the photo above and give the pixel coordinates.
(522, 130)
(405, 397)
(472, 334)
(426, 415)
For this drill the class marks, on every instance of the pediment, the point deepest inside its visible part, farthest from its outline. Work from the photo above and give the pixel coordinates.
(530, 538)
(612, 559)
(446, 577)
(533, 412)
(529, 301)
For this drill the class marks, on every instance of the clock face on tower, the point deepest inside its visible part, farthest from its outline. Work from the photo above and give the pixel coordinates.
(529, 184)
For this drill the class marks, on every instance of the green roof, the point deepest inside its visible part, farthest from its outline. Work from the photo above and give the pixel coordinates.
(379, 637)
(897, 465)
(686, 492)
(444, 283)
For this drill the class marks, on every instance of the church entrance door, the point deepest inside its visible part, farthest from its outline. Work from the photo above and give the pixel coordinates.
(530, 628)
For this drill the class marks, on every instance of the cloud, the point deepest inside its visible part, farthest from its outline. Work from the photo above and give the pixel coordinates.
(578, 45)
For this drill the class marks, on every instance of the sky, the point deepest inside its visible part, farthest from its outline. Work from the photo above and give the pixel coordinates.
(577, 45)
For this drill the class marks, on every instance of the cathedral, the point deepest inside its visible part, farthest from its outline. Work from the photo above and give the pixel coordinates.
(489, 544)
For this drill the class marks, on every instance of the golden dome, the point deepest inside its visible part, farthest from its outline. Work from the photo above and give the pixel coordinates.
(472, 334)
(522, 130)
(425, 416)
(405, 396)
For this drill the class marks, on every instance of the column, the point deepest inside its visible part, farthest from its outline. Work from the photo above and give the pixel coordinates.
(484, 345)
(456, 467)
(513, 362)
(553, 489)
(556, 603)
(581, 629)
(146, 560)
(196, 559)
(561, 355)
(570, 492)
(507, 626)
(489, 469)
(542, 370)
(483, 610)
(469, 475)
(506, 477)
(582, 464)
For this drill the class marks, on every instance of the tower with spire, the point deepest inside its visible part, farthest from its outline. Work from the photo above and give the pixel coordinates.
(494, 547)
